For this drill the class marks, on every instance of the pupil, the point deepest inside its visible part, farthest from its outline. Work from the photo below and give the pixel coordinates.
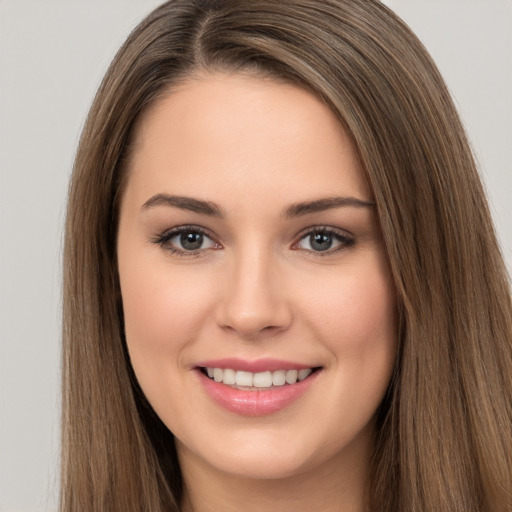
(191, 241)
(321, 241)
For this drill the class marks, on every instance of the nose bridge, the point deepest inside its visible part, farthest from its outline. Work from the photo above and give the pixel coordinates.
(253, 300)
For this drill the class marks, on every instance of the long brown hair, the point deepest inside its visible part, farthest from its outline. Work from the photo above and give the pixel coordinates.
(444, 434)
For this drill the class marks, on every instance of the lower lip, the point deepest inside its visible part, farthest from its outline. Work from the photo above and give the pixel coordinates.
(255, 403)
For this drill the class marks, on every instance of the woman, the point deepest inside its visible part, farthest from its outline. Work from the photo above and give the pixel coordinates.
(289, 286)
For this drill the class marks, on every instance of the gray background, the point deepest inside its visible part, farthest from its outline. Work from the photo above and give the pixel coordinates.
(52, 56)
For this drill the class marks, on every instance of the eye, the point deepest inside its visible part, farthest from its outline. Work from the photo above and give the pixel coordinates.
(186, 240)
(324, 240)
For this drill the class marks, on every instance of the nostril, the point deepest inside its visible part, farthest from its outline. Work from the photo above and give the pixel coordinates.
(261, 319)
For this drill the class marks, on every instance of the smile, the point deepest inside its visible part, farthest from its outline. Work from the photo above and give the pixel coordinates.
(240, 379)
(255, 393)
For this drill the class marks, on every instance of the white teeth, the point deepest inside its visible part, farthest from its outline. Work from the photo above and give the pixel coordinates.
(243, 378)
(257, 380)
(303, 373)
(291, 376)
(279, 378)
(262, 380)
(229, 376)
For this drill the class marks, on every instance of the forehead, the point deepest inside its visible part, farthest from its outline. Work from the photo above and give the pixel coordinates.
(243, 135)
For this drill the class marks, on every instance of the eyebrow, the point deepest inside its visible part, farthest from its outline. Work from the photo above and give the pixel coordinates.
(321, 205)
(185, 203)
(294, 210)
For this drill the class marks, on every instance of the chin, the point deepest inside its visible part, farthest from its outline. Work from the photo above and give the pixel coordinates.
(275, 454)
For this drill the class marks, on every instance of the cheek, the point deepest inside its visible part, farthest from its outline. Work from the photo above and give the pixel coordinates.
(357, 322)
(163, 310)
(357, 304)
(355, 317)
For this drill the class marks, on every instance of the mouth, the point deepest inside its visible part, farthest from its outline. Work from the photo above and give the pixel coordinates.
(259, 381)
(268, 390)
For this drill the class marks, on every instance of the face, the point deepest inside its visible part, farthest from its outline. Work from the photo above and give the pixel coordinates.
(258, 305)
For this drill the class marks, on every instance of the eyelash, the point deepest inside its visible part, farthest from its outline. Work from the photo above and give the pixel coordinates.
(345, 240)
(163, 240)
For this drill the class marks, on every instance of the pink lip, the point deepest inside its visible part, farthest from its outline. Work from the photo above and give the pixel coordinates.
(255, 403)
(259, 365)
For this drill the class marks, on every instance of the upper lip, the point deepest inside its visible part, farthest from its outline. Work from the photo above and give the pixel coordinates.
(258, 365)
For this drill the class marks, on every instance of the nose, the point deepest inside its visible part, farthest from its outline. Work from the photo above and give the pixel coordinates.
(254, 302)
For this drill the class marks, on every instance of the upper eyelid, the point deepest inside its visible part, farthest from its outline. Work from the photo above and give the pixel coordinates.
(324, 229)
(171, 232)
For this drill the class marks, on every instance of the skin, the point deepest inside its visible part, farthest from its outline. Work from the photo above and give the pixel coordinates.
(257, 288)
